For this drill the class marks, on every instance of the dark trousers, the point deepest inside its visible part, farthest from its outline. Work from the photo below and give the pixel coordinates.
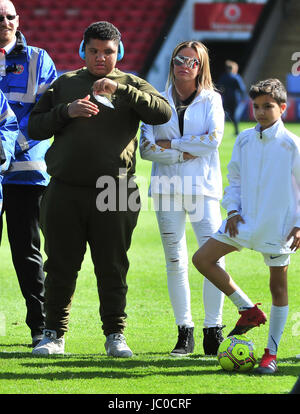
(70, 220)
(296, 387)
(21, 204)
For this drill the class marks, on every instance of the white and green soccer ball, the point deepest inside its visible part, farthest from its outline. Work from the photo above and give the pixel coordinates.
(237, 353)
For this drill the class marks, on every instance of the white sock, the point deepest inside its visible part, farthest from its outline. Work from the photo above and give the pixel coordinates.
(278, 317)
(240, 300)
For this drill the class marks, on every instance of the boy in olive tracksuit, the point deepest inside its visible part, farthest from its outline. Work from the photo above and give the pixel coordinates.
(94, 146)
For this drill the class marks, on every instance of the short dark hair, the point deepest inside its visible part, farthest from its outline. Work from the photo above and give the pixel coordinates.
(102, 31)
(271, 87)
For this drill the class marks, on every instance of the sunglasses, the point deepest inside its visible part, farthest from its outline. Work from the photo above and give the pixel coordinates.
(191, 63)
(9, 17)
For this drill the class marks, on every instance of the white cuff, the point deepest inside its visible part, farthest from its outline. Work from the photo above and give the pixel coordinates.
(175, 144)
(181, 159)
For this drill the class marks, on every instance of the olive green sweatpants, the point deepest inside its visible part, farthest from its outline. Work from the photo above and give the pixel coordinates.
(70, 220)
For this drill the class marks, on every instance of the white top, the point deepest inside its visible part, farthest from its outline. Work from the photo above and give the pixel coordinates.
(264, 186)
(202, 134)
(9, 47)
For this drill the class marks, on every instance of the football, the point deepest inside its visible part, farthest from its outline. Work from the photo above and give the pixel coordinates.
(237, 353)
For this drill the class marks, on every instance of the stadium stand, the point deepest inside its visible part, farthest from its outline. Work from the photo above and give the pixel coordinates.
(278, 59)
(57, 26)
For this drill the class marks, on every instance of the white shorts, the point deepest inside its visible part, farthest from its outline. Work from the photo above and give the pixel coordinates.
(271, 259)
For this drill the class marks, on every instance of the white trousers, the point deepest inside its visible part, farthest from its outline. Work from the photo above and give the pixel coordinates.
(171, 213)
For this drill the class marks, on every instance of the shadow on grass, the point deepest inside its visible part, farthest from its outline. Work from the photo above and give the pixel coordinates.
(78, 366)
(12, 345)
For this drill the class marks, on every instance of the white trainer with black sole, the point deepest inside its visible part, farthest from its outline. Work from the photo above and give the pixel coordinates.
(50, 344)
(116, 346)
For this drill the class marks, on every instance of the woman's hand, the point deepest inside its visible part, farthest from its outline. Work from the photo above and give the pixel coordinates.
(188, 156)
(164, 143)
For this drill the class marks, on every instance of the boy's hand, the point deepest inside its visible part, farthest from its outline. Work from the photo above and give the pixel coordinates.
(82, 108)
(295, 233)
(232, 224)
(105, 86)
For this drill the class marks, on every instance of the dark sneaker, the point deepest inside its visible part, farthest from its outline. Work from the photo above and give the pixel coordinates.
(212, 339)
(268, 364)
(250, 318)
(185, 343)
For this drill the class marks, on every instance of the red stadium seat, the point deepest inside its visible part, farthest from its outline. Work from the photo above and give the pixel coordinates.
(58, 26)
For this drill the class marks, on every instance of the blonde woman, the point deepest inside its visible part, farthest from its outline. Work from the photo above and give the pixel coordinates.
(186, 181)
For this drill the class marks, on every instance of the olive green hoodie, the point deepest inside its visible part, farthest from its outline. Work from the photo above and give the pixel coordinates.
(84, 149)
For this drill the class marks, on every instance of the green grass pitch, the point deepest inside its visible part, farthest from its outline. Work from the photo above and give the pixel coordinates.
(151, 332)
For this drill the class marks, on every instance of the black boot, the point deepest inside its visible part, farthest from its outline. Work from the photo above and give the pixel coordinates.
(212, 339)
(185, 344)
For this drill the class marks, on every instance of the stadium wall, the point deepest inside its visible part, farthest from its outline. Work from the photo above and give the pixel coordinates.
(262, 39)
(249, 50)
(196, 21)
(179, 32)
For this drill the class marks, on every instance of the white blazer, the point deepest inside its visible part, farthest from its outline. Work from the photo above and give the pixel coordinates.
(264, 186)
(202, 135)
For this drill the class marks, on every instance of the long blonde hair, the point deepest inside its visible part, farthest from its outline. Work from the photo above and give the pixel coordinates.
(204, 79)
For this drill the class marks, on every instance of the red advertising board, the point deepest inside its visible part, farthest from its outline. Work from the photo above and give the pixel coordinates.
(225, 17)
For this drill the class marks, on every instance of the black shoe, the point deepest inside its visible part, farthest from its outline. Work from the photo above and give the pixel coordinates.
(212, 339)
(185, 344)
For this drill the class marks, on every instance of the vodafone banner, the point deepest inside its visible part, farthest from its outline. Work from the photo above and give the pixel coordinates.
(226, 17)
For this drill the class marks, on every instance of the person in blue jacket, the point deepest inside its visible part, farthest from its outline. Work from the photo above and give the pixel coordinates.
(8, 135)
(233, 91)
(25, 73)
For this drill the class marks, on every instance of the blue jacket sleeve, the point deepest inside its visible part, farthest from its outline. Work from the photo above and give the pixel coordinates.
(8, 132)
(45, 75)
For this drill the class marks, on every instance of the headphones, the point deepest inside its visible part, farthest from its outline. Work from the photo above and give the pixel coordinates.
(119, 55)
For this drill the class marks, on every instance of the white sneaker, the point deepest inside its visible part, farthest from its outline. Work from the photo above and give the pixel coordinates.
(116, 346)
(50, 344)
(298, 356)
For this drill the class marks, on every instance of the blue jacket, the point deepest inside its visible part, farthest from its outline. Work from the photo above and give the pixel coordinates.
(29, 72)
(232, 88)
(9, 131)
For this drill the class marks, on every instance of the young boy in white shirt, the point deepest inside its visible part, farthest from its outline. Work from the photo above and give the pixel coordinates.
(262, 201)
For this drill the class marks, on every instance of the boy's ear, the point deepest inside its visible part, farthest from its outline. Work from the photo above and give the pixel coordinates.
(283, 107)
